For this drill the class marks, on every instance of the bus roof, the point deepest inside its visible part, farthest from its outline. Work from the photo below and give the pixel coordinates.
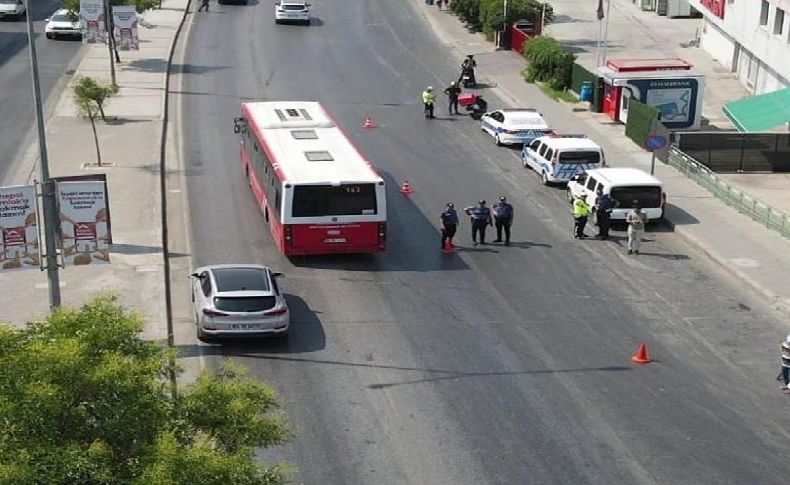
(303, 140)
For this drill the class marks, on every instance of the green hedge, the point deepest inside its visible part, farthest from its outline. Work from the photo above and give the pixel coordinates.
(640, 121)
(548, 62)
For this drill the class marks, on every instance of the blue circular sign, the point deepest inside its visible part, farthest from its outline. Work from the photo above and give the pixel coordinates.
(655, 142)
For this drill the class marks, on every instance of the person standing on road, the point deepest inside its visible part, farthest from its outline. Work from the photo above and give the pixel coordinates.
(428, 99)
(503, 218)
(449, 220)
(481, 217)
(636, 220)
(785, 375)
(203, 4)
(581, 210)
(439, 4)
(604, 203)
(453, 91)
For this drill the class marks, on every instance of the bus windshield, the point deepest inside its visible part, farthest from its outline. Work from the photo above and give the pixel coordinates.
(628, 197)
(329, 200)
(580, 157)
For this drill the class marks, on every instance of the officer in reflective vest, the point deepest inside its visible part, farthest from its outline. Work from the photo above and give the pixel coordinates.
(503, 218)
(428, 98)
(581, 210)
(481, 217)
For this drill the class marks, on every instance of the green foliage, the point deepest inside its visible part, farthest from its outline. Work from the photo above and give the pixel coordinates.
(492, 12)
(548, 62)
(468, 11)
(640, 121)
(84, 400)
(90, 96)
(140, 5)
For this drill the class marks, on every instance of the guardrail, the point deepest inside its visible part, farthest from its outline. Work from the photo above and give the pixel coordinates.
(758, 210)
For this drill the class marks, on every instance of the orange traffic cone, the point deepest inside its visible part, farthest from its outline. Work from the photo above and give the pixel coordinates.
(448, 246)
(369, 123)
(641, 357)
(406, 189)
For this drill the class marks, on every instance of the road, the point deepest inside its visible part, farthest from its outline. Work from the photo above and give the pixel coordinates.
(16, 92)
(497, 365)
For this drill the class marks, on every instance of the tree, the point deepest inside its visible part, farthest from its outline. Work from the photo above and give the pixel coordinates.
(90, 97)
(84, 400)
(492, 12)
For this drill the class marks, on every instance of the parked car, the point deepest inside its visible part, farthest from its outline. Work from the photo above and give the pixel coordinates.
(514, 126)
(557, 157)
(238, 300)
(12, 8)
(628, 186)
(292, 11)
(63, 23)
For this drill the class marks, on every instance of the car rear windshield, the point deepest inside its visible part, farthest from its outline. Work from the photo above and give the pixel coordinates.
(629, 197)
(63, 18)
(293, 7)
(580, 157)
(241, 279)
(328, 200)
(244, 304)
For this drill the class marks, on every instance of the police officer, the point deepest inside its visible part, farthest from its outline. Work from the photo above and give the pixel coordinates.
(428, 98)
(481, 217)
(453, 91)
(449, 221)
(604, 203)
(503, 218)
(581, 210)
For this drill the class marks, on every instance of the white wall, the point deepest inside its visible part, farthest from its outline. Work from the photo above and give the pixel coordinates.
(768, 53)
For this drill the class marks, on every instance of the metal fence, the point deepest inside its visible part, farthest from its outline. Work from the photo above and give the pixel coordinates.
(756, 209)
(731, 152)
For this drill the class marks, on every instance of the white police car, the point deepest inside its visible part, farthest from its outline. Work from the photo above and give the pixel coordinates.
(514, 126)
(292, 11)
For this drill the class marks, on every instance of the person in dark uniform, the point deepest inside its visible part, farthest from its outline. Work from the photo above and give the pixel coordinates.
(453, 91)
(449, 220)
(604, 203)
(503, 218)
(481, 217)
(203, 4)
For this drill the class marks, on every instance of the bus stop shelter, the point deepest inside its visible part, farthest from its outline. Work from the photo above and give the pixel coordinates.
(760, 113)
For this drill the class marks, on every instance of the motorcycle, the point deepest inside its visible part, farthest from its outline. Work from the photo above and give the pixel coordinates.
(468, 77)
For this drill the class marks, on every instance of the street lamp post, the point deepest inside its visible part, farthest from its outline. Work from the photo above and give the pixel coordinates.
(47, 184)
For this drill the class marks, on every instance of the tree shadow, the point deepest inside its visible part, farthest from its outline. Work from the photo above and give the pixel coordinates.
(567, 19)
(670, 256)
(134, 249)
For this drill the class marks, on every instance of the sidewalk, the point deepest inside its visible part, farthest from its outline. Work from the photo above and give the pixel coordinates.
(756, 255)
(130, 147)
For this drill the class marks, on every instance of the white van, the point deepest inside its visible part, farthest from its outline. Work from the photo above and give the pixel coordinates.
(559, 157)
(628, 186)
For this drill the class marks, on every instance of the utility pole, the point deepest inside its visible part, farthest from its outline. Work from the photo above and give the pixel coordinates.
(109, 39)
(51, 217)
(606, 32)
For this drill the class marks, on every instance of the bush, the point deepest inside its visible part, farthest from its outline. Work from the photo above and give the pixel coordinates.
(640, 121)
(468, 11)
(548, 62)
(491, 13)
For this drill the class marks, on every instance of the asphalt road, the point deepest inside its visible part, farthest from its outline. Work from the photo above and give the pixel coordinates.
(17, 109)
(500, 365)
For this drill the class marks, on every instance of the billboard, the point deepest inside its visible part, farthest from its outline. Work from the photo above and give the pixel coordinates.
(92, 22)
(124, 18)
(85, 235)
(19, 247)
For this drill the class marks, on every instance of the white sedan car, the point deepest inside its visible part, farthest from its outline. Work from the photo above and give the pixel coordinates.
(12, 8)
(238, 300)
(292, 11)
(63, 23)
(514, 126)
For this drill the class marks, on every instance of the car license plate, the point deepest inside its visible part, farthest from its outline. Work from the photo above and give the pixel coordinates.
(245, 326)
(335, 240)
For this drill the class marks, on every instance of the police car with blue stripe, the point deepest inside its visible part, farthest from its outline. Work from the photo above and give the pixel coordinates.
(514, 126)
(558, 157)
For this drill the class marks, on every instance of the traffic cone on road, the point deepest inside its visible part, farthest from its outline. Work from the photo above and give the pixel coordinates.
(406, 189)
(369, 123)
(448, 246)
(641, 357)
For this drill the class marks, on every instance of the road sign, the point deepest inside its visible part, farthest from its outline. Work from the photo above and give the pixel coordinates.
(655, 142)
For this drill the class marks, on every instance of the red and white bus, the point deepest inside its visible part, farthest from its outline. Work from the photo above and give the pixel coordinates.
(318, 193)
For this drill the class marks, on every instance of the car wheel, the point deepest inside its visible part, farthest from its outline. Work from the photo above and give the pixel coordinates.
(201, 335)
(277, 21)
(544, 178)
(49, 35)
(497, 140)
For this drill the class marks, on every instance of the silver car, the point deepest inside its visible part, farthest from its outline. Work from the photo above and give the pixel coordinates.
(238, 300)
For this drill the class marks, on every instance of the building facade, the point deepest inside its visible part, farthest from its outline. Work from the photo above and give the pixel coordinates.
(749, 37)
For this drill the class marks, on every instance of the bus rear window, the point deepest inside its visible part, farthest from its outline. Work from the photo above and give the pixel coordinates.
(328, 200)
(629, 197)
(580, 157)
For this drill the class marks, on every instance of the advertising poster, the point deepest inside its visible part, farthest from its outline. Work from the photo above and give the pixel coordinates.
(84, 222)
(19, 246)
(92, 22)
(124, 19)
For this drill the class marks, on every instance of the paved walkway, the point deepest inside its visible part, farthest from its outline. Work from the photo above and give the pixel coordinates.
(130, 146)
(758, 256)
